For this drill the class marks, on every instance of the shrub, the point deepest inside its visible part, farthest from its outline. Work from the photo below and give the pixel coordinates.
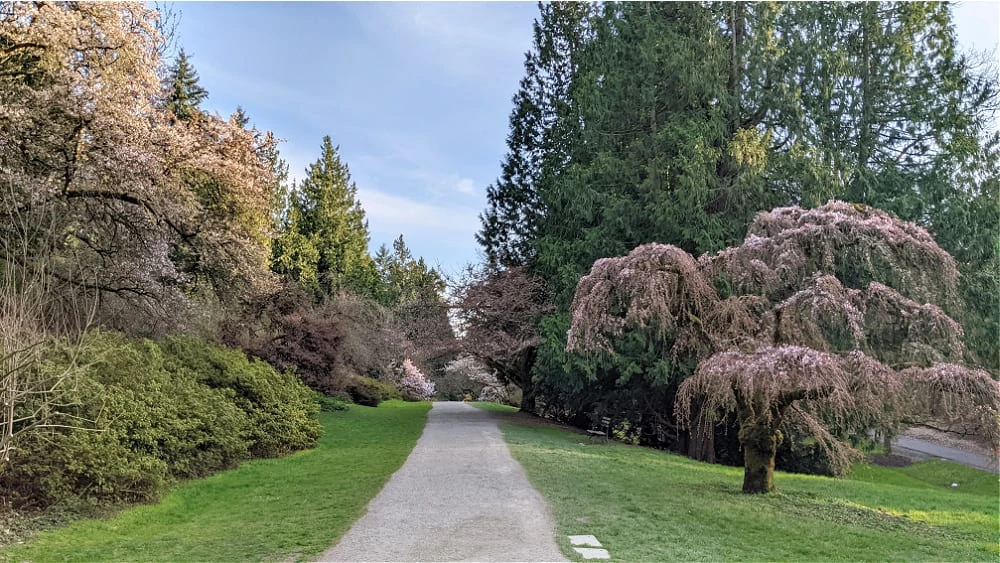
(494, 394)
(281, 409)
(132, 427)
(310, 345)
(370, 392)
(332, 404)
(327, 344)
(139, 416)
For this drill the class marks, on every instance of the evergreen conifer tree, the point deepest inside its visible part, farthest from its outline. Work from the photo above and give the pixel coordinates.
(325, 243)
(183, 93)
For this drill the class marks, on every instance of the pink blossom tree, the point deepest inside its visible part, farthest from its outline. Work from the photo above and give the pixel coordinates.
(835, 321)
(414, 384)
(153, 211)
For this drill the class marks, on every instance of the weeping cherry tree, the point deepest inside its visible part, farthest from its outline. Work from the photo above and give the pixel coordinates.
(822, 321)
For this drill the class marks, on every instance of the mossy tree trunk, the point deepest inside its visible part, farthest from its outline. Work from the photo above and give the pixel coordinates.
(760, 439)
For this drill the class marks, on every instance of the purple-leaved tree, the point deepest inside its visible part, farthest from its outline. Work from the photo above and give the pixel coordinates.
(498, 313)
(835, 317)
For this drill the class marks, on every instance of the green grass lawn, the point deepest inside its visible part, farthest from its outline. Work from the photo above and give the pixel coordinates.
(493, 407)
(277, 509)
(647, 505)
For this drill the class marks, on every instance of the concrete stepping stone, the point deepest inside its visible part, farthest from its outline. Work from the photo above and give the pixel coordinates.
(590, 547)
(593, 553)
(586, 541)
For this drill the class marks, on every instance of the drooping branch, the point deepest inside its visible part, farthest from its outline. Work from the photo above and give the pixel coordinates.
(958, 395)
(498, 313)
(655, 286)
(782, 385)
(857, 244)
(838, 324)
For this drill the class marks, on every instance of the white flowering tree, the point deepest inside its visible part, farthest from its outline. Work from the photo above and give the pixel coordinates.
(414, 384)
(151, 209)
(834, 318)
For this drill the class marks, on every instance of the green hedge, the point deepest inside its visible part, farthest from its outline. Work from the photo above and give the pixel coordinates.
(370, 392)
(328, 403)
(155, 414)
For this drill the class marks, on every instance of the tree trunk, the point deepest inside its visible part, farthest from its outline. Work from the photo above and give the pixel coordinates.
(528, 399)
(701, 440)
(760, 444)
(524, 380)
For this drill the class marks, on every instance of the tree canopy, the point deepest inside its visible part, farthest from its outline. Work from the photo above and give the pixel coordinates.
(183, 94)
(676, 123)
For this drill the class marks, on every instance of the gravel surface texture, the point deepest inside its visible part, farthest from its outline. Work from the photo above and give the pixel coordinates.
(460, 496)
(918, 449)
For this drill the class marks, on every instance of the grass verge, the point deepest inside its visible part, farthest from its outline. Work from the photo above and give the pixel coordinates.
(493, 407)
(647, 505)
(276, 509)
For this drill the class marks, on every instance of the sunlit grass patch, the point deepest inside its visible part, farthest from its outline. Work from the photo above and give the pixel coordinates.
(647, 505)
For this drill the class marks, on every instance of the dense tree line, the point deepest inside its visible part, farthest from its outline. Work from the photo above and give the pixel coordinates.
(677, 123)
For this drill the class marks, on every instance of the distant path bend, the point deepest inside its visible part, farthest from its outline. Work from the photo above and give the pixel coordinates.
(460, 496)
(918, 449)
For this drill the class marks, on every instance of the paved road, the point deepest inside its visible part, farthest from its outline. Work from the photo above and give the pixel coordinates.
(460, 496)
(918, 449)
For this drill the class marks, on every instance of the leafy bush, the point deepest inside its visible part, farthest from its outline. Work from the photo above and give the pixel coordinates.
(312, 346)
(493, 394)
(131, 428)
(331, 404)
(370, 392)
(141, 416)
(280, 408)
(327, 344)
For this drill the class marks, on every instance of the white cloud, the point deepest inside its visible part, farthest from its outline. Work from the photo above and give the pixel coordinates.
(465, 186)
(390, 213)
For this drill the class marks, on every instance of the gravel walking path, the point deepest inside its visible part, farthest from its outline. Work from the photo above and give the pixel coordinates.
(918, 449)
(460, 496)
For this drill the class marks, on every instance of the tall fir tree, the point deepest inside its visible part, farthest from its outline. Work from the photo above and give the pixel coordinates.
(898, 117)
(325, 243)
(294, 255)
(540, 128)
(404, 280)
(183, 93)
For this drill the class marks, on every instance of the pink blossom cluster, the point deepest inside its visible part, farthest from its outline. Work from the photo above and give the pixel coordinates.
(655, 286)
(788, 245)
(414, 384)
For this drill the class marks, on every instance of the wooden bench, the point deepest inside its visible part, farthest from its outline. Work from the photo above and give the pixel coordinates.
(603, 430)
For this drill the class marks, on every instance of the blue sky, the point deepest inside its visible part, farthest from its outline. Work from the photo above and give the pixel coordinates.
(417, 95)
